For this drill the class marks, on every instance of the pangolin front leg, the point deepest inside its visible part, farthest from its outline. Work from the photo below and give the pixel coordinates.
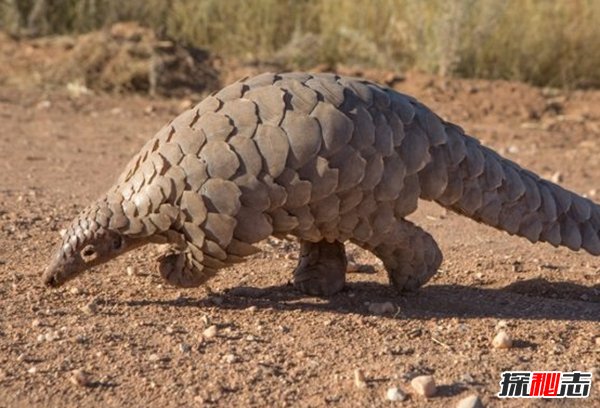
(321, 269)
(409, 254)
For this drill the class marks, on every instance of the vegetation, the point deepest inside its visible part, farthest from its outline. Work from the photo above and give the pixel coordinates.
(554, 43)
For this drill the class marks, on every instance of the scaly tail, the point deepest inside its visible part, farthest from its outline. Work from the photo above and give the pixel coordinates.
(475, 181)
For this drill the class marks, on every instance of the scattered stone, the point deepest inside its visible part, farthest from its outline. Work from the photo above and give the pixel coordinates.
(89, 308)
(513, 149)
(424, 385)
(382, 308)
(75, 291)
(36, 323)
(252, 309)
(210, 332)
(51, 336)
(22, 357)
(395, 394)
(502, 324)
(80, 378)
(557, 177)
(186, 104)
(229, 358)
(472, 401)
(597, 340)
(131, 270)
(81, 339)
(353, 267)
(359, 378)
(502, 340)
(45, 104)
(595, 372)
(184, 348)
(153, 358)
(467, 379)
(32, 370)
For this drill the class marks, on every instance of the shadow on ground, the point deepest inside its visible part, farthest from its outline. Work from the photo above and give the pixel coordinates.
(531, 299)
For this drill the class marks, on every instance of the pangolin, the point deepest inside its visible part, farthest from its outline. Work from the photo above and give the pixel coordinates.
(323, 158)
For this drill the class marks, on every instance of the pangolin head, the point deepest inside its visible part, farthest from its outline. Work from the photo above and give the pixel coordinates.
(86, 244)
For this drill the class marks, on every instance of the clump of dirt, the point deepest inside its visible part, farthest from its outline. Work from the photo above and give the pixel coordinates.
(128, 57)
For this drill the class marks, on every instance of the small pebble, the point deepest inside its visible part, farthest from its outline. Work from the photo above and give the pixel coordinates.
(45, 104)
(502, 324)
(75, 291)
(80, 377)
(153, 357)
(353, 267)
(131, 270)
(252, 309)
(472, 401)
(597, 340)
(36, 323)
(32, 370)
(21, 357)
(557, 177)
(394, 394)
(467, 378)
(184, 348)
(502, 340)
(382, 308)
(51, 336)
(186, 104)
(424, 385)
(229, 358)
(359, 378)
(89, 308)
(210, 332)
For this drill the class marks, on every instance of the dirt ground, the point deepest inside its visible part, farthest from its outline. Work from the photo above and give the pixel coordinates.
(143, 343)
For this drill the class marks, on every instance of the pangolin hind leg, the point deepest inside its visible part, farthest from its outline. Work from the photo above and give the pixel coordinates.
(321, 269)
(409, 254)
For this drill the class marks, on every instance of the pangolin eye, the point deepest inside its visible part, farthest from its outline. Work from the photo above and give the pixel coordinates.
(88, 251)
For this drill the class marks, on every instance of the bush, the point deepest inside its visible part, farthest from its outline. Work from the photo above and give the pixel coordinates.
(543, 42)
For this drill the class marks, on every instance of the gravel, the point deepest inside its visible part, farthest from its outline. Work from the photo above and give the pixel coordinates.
(502, 340)
(424, 385)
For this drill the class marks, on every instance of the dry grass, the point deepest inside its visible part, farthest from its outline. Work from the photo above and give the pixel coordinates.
(554, 43)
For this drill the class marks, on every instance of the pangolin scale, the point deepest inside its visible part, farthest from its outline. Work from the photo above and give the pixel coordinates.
(321, 157)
